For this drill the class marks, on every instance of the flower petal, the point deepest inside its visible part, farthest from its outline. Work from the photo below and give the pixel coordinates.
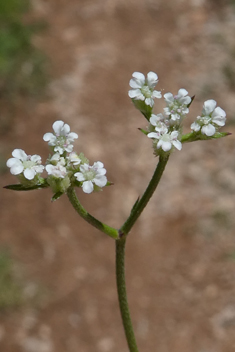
(152, 79)
(209, 106)
(87, 187)
(100, 180)
(208, 130)
(57, 126)
(19, 154)
(29, 174)
(16, 169)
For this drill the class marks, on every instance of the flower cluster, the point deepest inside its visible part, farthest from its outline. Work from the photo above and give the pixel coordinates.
(143, 89)
(165, 129)
(211, 120)
(28, 166)
(65, 167)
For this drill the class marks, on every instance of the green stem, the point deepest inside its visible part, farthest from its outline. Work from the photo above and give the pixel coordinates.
(141, 204)
(122, 295)
(108, 230)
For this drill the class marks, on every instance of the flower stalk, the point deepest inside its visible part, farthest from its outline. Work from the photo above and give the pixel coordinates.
(108, 230)
(66, 169)
(122, 295)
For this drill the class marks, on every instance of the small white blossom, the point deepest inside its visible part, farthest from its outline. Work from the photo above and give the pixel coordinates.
(29, 165)
(160, 129)
(90, 175)
(211, 119)
(74, 158)
(143, 89)
(57, 158)
(166, 140)
(58, 170)
(155, 119)
(177, 105)
(62, 138)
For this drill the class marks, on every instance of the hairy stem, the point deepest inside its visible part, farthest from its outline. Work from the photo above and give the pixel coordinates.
(122, 295)
(110, 231)
(143, 201)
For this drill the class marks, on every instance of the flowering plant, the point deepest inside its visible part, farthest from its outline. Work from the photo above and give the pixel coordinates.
(67, 170)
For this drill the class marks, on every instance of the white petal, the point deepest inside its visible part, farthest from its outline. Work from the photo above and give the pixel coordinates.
(138, 76)
(66, 129)
(49, 169)
(174, 134)
(152, 79)
(29, 174)
(13, 161)
(169, 97)
(49, 136)
(19, 154)
(220, 112)
(166, 146)
(135, 84)
(208, 130)
(219, 120)
(98, 164)
(195, 127)
(16, 169)
(136, 94)
(100, 181)
(39, 169)
(149, 101)
(87, 187)
(36, 158)
(156, 94)
(79, 176)
(209, 106)
(73, 135)
(153, 135)
(84, 167)
(154, 119)
(177, 144)
(182, 92)
(57, 126)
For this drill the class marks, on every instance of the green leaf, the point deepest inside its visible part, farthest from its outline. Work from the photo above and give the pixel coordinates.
(135, 205)
(197, 136)
(20, 187)
(143, 131)
(56, 196)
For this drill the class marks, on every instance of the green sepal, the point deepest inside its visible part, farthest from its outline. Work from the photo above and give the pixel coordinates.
(109, 183)
(143, 131)
(135, 205)
(192, 99)
(20, 187)
(197, 136)
(146, 110)
(56, 196)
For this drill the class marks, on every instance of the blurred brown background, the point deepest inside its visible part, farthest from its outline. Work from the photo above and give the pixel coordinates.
(181, 252)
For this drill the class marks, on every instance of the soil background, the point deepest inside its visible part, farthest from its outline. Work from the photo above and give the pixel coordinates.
(180, 254)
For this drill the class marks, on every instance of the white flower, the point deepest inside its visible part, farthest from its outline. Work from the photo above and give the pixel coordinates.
(155, 119)
(177, 105)
(29, 165)
(62, 138)
(74, 158)
(166, 140)
(58, 170)
(212, 118)
(143, 89)
(160, 129)
(90, 175)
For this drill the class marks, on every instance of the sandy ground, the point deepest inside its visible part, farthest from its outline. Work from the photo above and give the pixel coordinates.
(180, 254)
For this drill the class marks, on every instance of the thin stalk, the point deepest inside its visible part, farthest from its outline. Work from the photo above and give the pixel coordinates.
(141, 204)
(108, 230)
(122, 295)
